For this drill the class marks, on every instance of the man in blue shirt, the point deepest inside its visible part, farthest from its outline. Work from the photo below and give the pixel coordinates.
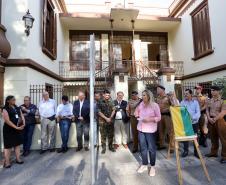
(64, 116)
(29, 111)
(193, 108)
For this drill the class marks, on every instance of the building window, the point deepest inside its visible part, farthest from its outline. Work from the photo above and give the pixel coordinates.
(79, 54)
(0, 10)
(49, 89)
(201, 31)
(49, 43)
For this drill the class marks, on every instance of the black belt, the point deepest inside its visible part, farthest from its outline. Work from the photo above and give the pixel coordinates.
(165, 114)
(203, 111)
(65, 118)
(51, 118)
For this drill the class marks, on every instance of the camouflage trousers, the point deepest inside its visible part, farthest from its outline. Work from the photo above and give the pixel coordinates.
(107, 132)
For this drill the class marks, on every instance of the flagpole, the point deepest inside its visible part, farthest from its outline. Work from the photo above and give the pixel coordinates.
(92, 120)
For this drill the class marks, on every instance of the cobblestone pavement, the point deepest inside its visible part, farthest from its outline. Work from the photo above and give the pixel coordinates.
(73, 168)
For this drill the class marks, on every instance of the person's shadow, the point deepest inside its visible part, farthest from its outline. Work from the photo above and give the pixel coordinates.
(72, 176)
(104, 177)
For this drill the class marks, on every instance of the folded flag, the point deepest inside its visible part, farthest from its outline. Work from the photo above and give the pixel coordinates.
(182, 122)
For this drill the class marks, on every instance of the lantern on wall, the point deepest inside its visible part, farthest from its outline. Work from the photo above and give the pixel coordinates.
(28, 22)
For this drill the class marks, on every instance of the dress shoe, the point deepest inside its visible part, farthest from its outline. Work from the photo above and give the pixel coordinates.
(205, 145)
(112, 149)
(78, 149)
(61, 150)
(6, 166)
(86, 149)
(103, 151)
(135, 150)
(196, 155)
(26, 153)
(211, 155)
(184, 154)
(161, 148)
(125, 146)
(223, 161)
(19, 162)
(42, 151)
(52, 150)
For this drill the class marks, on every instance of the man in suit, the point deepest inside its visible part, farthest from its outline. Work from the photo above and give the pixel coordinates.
(81, 110)
(121, 119)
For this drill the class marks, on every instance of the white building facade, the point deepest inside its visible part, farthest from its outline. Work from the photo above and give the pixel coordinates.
(138, 45)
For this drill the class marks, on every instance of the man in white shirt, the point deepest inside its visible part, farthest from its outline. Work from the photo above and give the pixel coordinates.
(64, 116)
(47, 111)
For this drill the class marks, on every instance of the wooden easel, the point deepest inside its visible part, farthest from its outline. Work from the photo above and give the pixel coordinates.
(193, 139)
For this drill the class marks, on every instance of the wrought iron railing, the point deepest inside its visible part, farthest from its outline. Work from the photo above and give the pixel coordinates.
(178, 66)
(139, 69)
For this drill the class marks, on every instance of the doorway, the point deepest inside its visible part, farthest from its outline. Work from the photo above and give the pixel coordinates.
(122, 51)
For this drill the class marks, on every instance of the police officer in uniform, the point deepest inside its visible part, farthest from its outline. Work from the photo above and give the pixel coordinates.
(203, 118)
(214, 107)
(222, 131)
(165, 127)
(106, 112)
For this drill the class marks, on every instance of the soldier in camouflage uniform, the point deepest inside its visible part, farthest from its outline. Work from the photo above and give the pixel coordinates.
(106, 112)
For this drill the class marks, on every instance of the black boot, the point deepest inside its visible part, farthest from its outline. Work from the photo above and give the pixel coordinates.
(205, 141)
(103, 149)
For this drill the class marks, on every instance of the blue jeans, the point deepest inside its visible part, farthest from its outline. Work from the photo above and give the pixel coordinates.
(28, 133)
(147, 145)
(65, 125)
(82, 128)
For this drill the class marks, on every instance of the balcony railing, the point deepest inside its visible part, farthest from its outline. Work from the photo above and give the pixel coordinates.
(137, 69)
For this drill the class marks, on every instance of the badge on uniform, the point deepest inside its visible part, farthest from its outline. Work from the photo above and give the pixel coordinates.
(16, 116)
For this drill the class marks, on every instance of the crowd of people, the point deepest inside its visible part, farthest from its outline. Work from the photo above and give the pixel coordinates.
(149, 118)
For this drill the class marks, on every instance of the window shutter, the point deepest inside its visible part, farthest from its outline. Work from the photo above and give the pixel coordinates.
(201, 31)
(44, 18)
(55, 36)
(49, 30)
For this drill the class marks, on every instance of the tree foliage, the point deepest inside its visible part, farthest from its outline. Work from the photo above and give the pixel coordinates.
(221, 82)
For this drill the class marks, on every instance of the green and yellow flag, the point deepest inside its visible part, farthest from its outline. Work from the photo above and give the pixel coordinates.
(182, 122)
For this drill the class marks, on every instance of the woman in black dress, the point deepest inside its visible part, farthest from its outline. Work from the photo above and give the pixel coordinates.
(12, 130)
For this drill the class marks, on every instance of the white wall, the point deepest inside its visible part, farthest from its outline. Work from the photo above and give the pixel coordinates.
(30, 47)
(181, 39)
(19, 79)
(208, 77)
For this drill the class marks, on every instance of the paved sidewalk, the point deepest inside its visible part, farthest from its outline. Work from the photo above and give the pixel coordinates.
(113, 169)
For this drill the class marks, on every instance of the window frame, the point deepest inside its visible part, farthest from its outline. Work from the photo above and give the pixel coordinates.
(50, 52)
(197, 54)
(0, 11)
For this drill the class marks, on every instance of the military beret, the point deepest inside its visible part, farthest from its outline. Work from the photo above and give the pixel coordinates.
(216, 88)
(198, 87)
(134, 93)
(161, 87)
